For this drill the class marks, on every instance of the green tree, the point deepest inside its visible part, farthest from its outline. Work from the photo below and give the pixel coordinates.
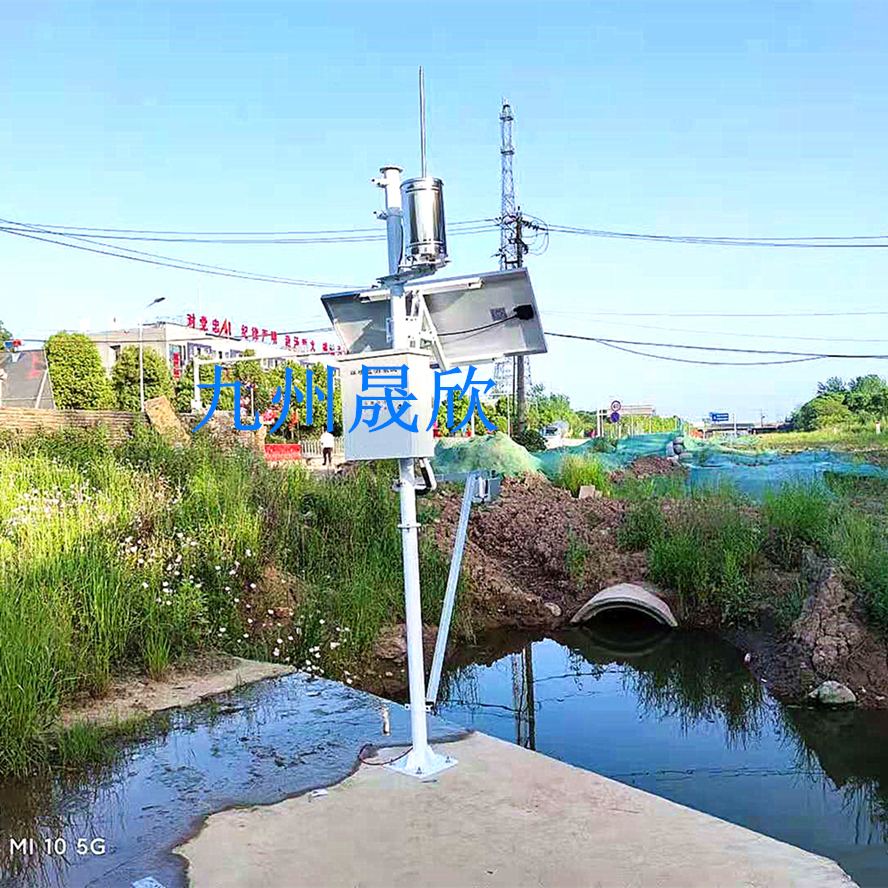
(544, 409)
(498, 415)
(125, 377)
(867, 397)
(822, 412)
(834, 385)
(460, 409)
(4, 333)
(184, 389)
(863, 399)
(79, 381)
(530, 439)
(297, 415)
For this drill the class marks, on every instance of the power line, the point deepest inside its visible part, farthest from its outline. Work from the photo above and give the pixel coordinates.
(719, 348)
(181, 264)
(708, 363)
(717, 332)
(800, 242)
(348, 234)
(351, 235)
(717, 314)
(256, 241)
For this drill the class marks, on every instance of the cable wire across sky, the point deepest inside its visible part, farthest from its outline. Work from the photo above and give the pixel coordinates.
(468, 226)
(172, 262)
(796, 357)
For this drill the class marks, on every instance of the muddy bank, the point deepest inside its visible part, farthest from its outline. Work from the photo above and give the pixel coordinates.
(830, 641)
(139, 696)
(519, 575)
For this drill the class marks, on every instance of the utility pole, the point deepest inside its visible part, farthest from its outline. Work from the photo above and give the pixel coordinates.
(511, 251)
(519, 376)
(507, 242)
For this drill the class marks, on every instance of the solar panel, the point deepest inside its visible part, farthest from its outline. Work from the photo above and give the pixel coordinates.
(471, 319)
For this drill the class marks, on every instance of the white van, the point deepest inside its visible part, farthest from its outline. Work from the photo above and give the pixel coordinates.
(555, 433)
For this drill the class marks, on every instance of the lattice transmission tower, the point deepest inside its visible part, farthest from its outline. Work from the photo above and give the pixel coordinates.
(511, 379)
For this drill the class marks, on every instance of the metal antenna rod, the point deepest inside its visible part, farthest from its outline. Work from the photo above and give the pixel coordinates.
(422, 128)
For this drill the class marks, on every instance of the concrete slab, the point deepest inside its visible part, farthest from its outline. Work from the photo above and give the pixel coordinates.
(505, 816)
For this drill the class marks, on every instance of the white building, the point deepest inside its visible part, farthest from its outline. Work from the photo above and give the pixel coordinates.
(177, 343)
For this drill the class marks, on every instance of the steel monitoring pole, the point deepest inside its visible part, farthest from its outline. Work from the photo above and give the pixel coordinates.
(421, 760)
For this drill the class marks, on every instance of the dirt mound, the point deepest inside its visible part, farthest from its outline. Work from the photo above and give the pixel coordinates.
(655, 465)
(535, 546)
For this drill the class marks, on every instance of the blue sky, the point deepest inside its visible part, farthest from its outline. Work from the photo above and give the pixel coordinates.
(705, 119)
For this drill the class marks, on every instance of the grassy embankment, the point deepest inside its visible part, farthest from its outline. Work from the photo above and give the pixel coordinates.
(118, 559)
(864, 440)
(714, 547)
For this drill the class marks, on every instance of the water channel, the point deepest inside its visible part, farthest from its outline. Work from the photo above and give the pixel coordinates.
(674, 713)
(678, 714)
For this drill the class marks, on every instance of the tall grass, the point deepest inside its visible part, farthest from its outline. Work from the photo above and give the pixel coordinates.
(576, 556)
(574, 472)
(854, 438)
(862, 549)
(857, 486)
(707, 553)
(114, 558)
(798, 514)
(635, 490)
(643, 525)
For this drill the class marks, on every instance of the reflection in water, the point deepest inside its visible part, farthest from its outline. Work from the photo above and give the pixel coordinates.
(522, 697)
(703, 684)
(848, 750)
(678, 714)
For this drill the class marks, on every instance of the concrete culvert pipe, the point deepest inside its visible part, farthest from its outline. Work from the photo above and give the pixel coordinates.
(630, 597)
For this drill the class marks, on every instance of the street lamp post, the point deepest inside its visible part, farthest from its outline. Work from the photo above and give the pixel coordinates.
(141, 362)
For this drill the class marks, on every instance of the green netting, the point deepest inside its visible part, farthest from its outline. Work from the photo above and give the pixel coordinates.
(710, 462)
(497, 453)
(612, 454)
(713, 463)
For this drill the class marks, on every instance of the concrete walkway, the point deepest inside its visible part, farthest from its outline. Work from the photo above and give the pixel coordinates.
(504, 816)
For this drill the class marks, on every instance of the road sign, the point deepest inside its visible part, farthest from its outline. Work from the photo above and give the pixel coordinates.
(718, 417)
(615, 417)
(616, 406)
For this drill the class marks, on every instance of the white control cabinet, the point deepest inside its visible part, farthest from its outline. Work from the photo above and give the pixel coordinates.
(384, 368)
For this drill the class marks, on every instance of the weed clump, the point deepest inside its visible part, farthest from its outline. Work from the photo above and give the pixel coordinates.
(643, 525)
(706, 553)
(574, 472)
(575, 557)
(798, 514)
(862, 551)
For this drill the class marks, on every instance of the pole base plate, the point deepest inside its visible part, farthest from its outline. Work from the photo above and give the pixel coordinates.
(422, 763)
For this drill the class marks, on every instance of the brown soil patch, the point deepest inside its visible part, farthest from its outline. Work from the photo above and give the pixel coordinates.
(536, 545)
(135, 696)
(646, 466)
